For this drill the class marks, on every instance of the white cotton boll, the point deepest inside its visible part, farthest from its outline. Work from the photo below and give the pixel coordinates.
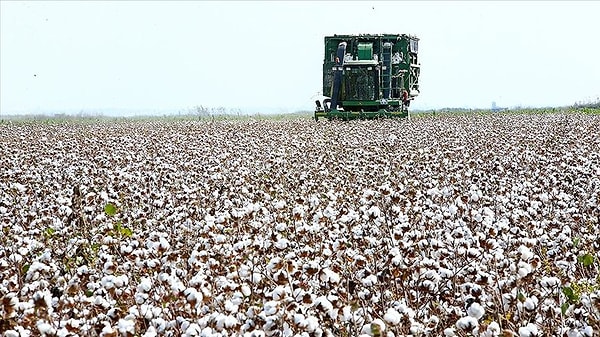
(392, 316)
(150, 332)
(145, 284)
(526, 253)
(134, 311)
(369, 280)
(107, 282)
(246, 291)
(280, 204)
(140, 298)
(46, 256)
(345, 218)
(452, 210)
(280, 227)
(194, 330)
(587, 331)
(271, 308)
(37, 266)
(256, 277)
(572, 333)
(126, 325)
(314, 201)
(467, 323)
(550, 282)
(163, 244)
(524, 269)
(230, 321)
(300, 320)
(298, 211)
(108, 330)
(531, 303)
(494, 329)
(324, 303)
(333, 276)
(11, 333)
(282, 243)
(146, 311)
(231, 307)
(530, 330)
(312, 323)
(445, 273)
(46, 329)
(192, 295)
(22, 188)
(121, 280)
(476, 310)
(278, 293)
(449, 332)
(329, 212)
(374, 212)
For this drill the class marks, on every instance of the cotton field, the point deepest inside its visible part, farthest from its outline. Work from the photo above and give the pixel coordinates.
(437, 226)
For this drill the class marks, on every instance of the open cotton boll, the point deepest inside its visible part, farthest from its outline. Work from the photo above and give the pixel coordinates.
(587, 331)
(193, 295)
(530, 330)
(369, 280)
(194, 330)
(550, 282)
(46, 329)
(467, 323)
(449, 332)
(145, 284)
(150, 332)
(374, 212)
(126, 325)
(476, 310)
(523, 269)
(392, 316)
(531, 303)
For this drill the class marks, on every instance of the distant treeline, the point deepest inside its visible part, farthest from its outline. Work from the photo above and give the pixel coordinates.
(591, 103)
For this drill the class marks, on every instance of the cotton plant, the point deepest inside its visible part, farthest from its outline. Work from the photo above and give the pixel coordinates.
(445, 226)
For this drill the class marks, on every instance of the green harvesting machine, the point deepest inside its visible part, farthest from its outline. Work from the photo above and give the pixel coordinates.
(369, 76)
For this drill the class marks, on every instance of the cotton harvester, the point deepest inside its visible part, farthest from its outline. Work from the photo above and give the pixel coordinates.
(369, 76)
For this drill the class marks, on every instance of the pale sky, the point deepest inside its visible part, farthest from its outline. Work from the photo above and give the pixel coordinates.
(86, 55)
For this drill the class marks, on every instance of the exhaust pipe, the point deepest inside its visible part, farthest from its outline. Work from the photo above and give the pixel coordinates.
(338, 73)
(387, 71)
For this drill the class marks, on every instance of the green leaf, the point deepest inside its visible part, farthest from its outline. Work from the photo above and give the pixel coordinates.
(568, 291)
(576, 241)
(110, 209)
(126, 231)
(49, 231)
(587, 260)
(570, 294)
(25, 268)
(564, 307)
